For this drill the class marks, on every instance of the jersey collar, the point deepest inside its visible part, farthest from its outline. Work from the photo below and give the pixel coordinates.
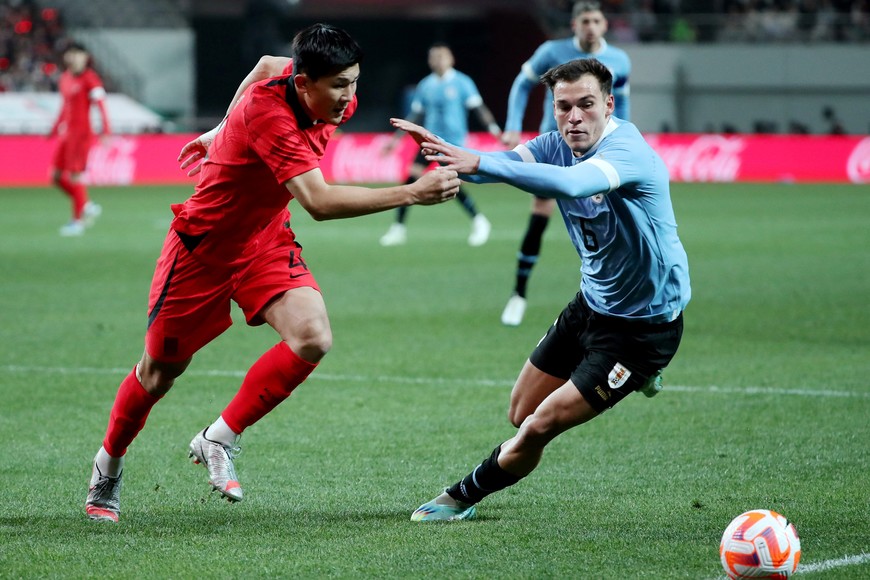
(610, 128)
(303, 121)
(601, 49)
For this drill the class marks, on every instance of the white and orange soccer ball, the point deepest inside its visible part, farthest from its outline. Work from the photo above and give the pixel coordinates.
(760, 544)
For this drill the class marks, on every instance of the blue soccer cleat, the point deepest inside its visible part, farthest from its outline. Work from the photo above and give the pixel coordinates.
(443, 509)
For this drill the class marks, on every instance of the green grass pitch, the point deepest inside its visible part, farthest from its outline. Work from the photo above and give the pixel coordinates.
(767, 404)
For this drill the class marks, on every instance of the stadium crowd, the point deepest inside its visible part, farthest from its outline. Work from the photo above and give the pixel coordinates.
(32, 41)
(729, 20)
(32, 38)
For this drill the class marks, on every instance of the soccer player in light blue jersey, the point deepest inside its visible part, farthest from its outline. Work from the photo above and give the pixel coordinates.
(625, 324)
(442, 100)
(589, 26)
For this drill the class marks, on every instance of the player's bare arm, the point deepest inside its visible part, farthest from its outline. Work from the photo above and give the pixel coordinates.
(194, 152)
(510, 139)
(325, 201)
(487, 119)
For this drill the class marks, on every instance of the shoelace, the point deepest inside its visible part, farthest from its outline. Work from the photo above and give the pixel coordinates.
(107, 489)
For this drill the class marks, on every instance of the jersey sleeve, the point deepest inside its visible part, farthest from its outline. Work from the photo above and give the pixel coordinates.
(536, 175)
(417, 106)
(622, 89)
(472, 98)
(94, 85)
(525, 81)
(276, 138)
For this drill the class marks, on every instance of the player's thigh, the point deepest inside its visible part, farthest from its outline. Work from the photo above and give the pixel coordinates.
(188, 304)
(543, 206)
(622, 356)
(531, 388)
(299, 316)
(280, 289)
(564, 408)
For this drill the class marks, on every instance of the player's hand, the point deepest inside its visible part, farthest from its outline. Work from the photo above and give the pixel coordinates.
(452, 157)
(418, 133)
(195, 152)
(436, 186)
(510, 139)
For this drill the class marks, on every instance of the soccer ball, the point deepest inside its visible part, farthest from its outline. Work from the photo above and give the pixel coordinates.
(760, 544)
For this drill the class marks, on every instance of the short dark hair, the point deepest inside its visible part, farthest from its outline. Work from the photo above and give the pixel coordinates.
(439, 44)
(323, 50)
(75, 46)
(585, 6)
(574, 69)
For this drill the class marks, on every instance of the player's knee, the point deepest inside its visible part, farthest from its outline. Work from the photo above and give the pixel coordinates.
(535, 431)
(157, 377)
(517, 413)
(313, 341)
(520, 408)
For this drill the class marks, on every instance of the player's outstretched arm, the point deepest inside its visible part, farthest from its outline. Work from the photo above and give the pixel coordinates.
(459, 159)
(325, 201)
(193, 153)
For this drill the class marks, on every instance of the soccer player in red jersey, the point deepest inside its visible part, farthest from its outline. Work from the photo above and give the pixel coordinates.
(80, 87)
(232, 240)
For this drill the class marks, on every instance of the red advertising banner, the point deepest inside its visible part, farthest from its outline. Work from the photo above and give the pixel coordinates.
(359, 158)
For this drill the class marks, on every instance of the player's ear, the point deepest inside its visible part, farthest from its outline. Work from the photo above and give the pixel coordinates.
(300, 81)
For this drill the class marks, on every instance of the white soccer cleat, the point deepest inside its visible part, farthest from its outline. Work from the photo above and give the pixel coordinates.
(514, 311)
(218, 459)
(72, 229)
(395, 236)
(91, 212)
(480, 228)
(104, 497)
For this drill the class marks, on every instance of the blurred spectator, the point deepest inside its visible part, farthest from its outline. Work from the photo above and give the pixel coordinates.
(31, 45)
(835, 126)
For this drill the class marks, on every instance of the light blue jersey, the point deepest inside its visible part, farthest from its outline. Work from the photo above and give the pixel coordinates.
(616, 204)
(553, 53)
(445, 102)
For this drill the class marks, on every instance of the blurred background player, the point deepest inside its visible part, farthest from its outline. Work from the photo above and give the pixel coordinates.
(80, 87)
(589, 25)
(443, 100)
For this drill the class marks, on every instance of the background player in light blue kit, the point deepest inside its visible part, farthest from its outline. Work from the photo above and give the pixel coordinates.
(589, 26)
(442, 100)
(625, 324)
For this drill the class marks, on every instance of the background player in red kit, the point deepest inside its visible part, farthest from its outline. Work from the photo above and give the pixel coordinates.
(80, 87)
(232, 241)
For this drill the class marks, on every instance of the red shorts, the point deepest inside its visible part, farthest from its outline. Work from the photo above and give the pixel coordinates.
(72, 153)
(189, 302)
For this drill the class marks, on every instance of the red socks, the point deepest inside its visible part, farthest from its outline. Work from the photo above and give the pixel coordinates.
(77, 192)
(269, 381)
(131, 408)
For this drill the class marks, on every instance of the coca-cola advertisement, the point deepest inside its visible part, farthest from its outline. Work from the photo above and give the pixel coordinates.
(361, 158)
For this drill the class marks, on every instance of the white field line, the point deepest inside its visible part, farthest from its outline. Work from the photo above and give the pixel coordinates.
(826, 565)
(820, 392)
(814, 567)
(862, 558)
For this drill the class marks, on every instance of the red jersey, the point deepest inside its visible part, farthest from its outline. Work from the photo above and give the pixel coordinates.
(267, 139)
(78, 92)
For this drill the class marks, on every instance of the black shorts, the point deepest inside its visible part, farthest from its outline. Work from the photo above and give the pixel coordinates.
(606, 357)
